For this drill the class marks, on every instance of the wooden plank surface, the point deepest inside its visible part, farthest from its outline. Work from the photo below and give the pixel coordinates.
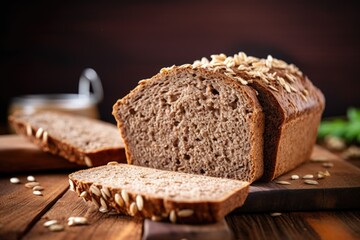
(296, 225)
(20, 208)
(341, 190)
(101, 226)
(18, 155)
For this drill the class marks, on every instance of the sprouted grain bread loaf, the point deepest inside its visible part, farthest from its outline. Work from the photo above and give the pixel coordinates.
(157, 194)
(235, 117)
(78, 139)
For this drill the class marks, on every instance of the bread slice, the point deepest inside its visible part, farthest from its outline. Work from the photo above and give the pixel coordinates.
(236, 117)
(194, 121)
(157, 194)
(80, 140)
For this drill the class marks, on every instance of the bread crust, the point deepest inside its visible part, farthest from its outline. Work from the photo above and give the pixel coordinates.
(159, 208)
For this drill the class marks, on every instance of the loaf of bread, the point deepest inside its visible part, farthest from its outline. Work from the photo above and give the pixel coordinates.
(78, 139)
(238, 117)
(157, 194)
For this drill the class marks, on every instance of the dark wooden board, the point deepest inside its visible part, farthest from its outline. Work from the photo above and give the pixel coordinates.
(18, 155)
(20, 208)
(341, 190)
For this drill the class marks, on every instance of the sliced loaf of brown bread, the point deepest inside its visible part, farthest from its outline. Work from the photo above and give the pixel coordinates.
(209, 118)
(157, 194)
(81, 140)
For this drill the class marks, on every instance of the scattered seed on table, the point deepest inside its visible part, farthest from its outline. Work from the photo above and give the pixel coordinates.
(14, 180)
(308, 176)
(311, 182)
(30, 178)
(275, 214)
(294, 177)
(283, 182)
(50, 222)
(56, 227)
(37, 193)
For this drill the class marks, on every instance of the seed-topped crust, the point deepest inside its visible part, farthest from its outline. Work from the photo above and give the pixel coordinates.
(198, 199)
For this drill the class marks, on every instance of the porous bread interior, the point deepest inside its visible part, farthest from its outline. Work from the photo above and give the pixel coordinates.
(190, 122)
(160, 184)
(88, 135)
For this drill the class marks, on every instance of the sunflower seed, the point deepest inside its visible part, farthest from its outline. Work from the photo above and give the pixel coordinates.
(319, 159)
(308, 176)
(294, 177)
(172, 216)
(30, 178)
(275, 214)
(45, 137)
(112, 163)
(325, 173)
(37, 193)
(50, 222)
(28, 130)
(73, 221)
(31, 184)
(88, 161)
(14, 180)
(125, 196)
(103, 203)
(283, 182)
(133, 209)
(38, 188)
(311, 182)
(72, 185)
(105, 192)
(103, 209)
(328, 165)
(95, 190)
(39, 133)
(83, 194)
(185, 213)
(139, 202)
(56, 227)
(118, 199)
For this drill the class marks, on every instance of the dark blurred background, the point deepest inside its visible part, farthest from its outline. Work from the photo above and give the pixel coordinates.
(45, 45)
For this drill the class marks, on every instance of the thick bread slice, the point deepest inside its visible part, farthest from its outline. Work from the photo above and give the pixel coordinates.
(194, 121)
(157, 194)
(81, 140)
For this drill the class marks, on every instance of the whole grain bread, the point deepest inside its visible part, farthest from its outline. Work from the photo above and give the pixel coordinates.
(235, 117)
(157, 194)
(78, 139)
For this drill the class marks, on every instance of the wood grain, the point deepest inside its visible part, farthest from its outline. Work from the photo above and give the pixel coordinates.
(163, 231)
(18, 155)
(20, 208)
(339, 191)
(101, 226)
(300, 225)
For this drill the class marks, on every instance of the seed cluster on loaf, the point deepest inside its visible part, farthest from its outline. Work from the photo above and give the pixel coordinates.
(245, 69)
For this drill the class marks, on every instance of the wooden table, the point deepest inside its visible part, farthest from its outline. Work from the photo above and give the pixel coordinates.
(22, 214)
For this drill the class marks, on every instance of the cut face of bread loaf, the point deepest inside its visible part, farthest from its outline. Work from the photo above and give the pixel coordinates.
(81, 140)
(158, 195)
(236, 117)
(194, 121)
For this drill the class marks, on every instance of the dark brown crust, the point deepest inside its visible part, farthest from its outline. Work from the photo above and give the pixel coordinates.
(66, 150)
(204, 212)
